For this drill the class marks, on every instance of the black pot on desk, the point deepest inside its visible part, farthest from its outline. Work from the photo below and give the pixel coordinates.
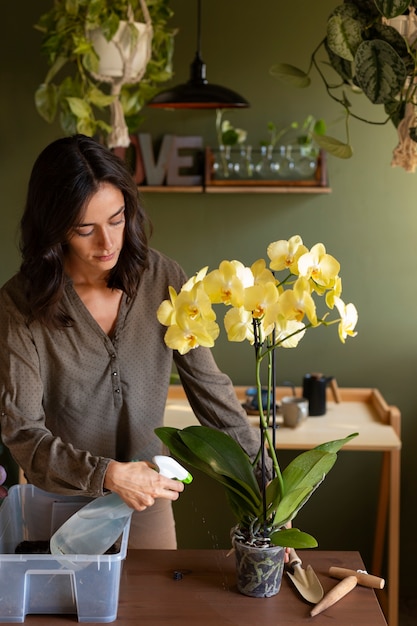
(314, 389)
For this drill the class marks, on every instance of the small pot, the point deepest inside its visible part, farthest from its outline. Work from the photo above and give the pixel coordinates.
(258, 569)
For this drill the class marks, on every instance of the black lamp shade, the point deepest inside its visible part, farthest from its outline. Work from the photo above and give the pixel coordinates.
(197, 93)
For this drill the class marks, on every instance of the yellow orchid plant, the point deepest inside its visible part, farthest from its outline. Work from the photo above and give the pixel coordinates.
(269, 313)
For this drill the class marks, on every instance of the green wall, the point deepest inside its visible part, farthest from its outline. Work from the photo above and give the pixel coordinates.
(368, 222)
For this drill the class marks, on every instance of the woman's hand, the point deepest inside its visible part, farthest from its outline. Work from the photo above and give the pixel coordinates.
(138, 484)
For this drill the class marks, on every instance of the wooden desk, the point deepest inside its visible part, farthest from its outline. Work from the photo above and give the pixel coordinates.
(360, 410)
(207, 594)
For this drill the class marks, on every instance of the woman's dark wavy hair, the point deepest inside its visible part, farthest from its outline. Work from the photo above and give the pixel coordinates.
(64, 178)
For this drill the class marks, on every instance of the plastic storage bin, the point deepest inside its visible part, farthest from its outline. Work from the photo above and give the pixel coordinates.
(87, 585)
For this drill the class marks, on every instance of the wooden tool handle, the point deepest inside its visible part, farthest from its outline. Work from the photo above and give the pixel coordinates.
(294, 559)
(335, 594)
(335, 391)
(364, 579)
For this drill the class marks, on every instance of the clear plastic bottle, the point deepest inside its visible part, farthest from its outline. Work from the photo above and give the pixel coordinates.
(95, 527)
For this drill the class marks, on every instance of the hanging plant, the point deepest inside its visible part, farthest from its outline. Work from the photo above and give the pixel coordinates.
(74, 89)
(371, 47)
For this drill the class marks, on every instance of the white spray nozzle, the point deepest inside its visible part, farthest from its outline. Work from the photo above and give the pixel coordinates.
(170, 468)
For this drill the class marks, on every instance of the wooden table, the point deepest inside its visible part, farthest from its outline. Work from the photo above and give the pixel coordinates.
(379, 426)
(206, 595)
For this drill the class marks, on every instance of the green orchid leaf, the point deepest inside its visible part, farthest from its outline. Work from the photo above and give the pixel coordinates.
(171, 438)
(344, 35)
(391, 8)
(337, 444)
(46, 100)
(380, 71)
(307, 469)
(242, 488)
(333, 146)
(222, 453)
(292, 502)
(290, 74)
(293, 538)
(273, 493)
(242, 507)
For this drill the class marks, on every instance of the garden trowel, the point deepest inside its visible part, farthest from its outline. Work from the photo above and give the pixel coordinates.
(305, 580)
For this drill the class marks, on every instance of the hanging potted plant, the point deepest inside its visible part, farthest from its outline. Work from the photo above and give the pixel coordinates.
(370, 47)
(88, 97)
(269, 313)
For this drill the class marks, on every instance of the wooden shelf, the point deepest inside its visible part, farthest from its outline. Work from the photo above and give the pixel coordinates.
(171, 189)
(318, 184)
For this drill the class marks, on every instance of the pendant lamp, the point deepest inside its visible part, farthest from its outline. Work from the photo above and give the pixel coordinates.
(198, 93)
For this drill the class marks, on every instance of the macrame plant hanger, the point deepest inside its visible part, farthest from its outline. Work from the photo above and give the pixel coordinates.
(131, 73)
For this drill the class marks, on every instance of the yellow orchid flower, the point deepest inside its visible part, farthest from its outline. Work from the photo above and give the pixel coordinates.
(228, 282)
(261, 273)
(321, 267)
(197, 278)
(285, 254)
(289, 334)
(193, 304)
(349, 318)
(191, 336)
(294, 303)
(239, 325)
(166, 311)
(334, 293)
(259, 298)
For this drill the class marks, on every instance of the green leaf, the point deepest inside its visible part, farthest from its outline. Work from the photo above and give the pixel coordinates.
(230, 137)
(319, 127)
(334, 146)
(380, 71)
(307, 469)
(46, 101)
(194, 445)
(290, 74)
(91, 61)
(293, 538)
(344, 35)
(86, 126)
(71, 6)
(56, 67)
(80, 108)
(336, 444)
(341, 66)
(222, 453)
(292, 502)
(391, 8)
(98, 98)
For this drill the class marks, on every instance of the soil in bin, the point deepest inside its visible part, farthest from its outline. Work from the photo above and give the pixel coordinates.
(42, 547)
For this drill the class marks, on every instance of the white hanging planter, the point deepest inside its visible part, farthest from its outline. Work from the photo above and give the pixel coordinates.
(123, 60)
(116, 54)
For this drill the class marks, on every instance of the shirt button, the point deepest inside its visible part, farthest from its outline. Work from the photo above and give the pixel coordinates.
(114, 373)
(117, 390)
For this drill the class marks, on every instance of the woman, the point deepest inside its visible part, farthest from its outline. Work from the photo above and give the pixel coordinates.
(84, 370)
